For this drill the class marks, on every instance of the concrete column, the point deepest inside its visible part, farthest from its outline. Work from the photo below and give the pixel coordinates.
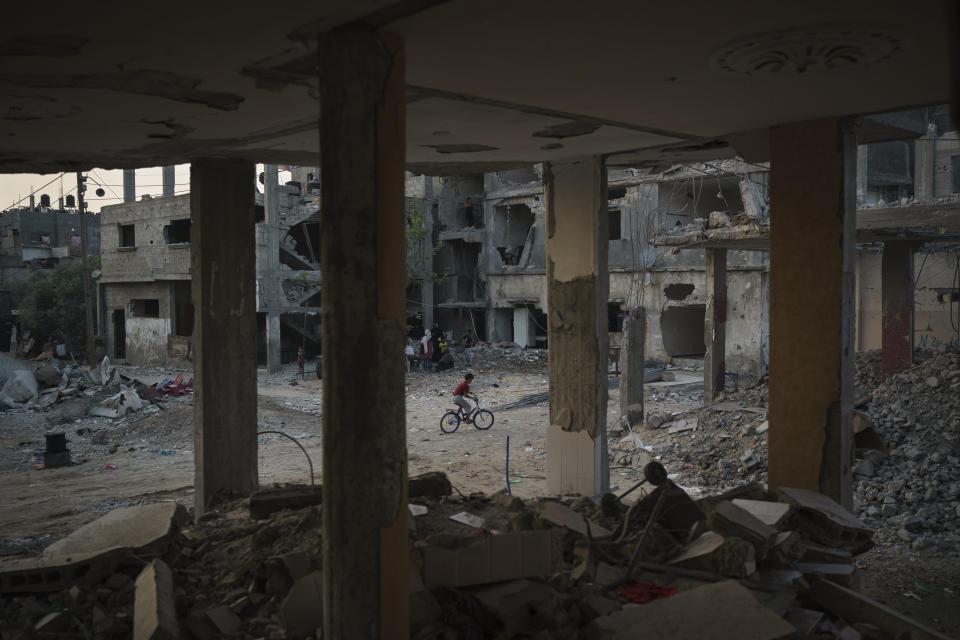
(169, 180)
(924, 164)
(129, 185)
(270, 261)
(631, 365)
(225, 329)
(812, 248)
(577, 289)
(715, 324)
(897, 288)
(362, 142)
(426, 286)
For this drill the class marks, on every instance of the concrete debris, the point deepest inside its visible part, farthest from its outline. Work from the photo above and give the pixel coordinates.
(711, 552)
(433, 484)
(731, 520)
(155, 610)
(558, 514)
(48, 376)
(267, 501)
(771, 514)
(144, 530)
(20, 389)
(118, 405)
(302, 609)
(468, 519)
(915, 488)
(826, 522)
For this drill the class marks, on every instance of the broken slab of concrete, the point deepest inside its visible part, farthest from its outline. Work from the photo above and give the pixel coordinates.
(563, 516)
(118, 405)
(856, 607)
(769, 513)
(265, 502)
(721, 611)
(728, 519)
(825, 521)
(145, 529)
(155, 609)
(843, 574)
(787, 549)
(711, 552)
(485, 559)
(56, 573)
(302, 609)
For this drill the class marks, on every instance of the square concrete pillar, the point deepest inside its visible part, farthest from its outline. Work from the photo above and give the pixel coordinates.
(577, 289)
(362, 141)
(897, 293)
(812, 248)
(715, 324)
(269, 264)
(223, 263)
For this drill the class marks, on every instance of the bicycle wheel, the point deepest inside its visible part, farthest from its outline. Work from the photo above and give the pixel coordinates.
(483, 419)
(450, 422)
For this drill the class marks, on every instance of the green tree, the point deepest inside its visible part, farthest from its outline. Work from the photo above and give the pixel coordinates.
(420, 247)
(53, 300)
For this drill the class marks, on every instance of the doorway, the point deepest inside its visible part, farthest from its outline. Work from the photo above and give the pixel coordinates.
(119, 335)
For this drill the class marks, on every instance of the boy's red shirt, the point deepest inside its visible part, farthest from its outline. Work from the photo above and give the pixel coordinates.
(462, 389)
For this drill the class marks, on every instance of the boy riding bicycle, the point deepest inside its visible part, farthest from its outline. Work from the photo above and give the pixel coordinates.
(460, 393)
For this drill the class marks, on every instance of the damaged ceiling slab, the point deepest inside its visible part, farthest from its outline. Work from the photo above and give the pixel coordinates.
(248, 88)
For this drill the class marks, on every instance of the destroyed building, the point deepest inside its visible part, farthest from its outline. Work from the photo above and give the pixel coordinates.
(145, 295)
(40, 235)
(453, 88)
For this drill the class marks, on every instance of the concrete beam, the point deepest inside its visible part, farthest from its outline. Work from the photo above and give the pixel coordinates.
(223, 265)
(897, 293)
(577, 289)
(715, 324)
(362, 138)
(812, 248)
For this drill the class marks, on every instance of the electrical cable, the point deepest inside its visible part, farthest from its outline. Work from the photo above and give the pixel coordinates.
(35, 191)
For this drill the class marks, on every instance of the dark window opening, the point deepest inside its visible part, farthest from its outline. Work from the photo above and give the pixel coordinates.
(512, 227)
(127, 235)
(614, 317)
(615, 193)
(615, 230)
(955, 173)
(678, 291)
(145, 308)
(42, 239)
(682, 330)
(177, 232)
(259, 213)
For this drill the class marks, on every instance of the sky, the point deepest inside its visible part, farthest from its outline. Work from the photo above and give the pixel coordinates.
(18, 186)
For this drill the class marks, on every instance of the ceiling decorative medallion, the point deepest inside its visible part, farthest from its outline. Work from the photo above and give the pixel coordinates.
(807, 50)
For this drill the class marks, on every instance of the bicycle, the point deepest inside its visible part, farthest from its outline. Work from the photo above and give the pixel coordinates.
(482, 418)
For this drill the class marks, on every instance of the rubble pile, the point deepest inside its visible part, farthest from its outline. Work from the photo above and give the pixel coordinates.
(911, 491)
(713, 448)
(481, 566)
(867, 372)
(504, 356)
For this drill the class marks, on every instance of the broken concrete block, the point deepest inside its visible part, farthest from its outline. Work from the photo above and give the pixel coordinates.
(265, 502)
(749, 459)
(302, 609)
(682, 425)
(494, 558)
(842, 574)
(656, 420)
(787, 549)
(819, 553)
(57, 623)
(21, 387)
(771, 514)
(718, 219)
(434, 484)
(48, 376)
(730, 520)
(118, 405)
(562, 516)
(826, 522)
(712, 552)
(668, 376)
(721, 611)
(225, 620)
(763, 426)
(145, 529)
(155, 609)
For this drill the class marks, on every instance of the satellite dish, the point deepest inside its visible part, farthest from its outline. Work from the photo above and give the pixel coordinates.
(101, 193)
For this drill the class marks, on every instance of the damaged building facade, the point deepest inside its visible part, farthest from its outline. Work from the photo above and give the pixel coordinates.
(491, 260)
(41, 236)
(144, 290)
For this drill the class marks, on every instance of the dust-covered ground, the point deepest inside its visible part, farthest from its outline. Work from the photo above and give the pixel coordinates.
(148, 456)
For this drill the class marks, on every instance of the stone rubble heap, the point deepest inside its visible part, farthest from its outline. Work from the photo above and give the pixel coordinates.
(912, 494)
(482, 566)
